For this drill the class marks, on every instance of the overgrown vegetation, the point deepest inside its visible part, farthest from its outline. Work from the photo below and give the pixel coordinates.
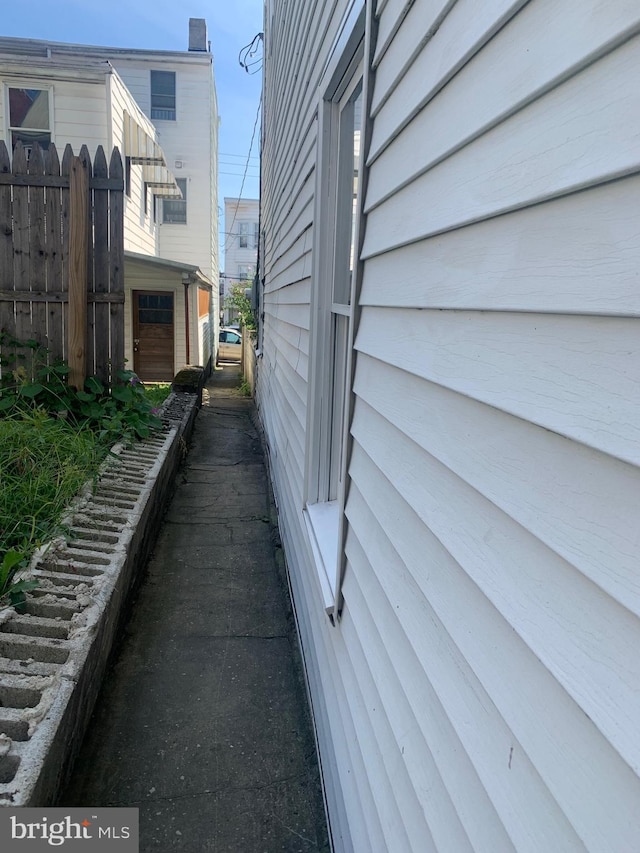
(245, 387)
(53, 438)
(157, 392)
(237, 301)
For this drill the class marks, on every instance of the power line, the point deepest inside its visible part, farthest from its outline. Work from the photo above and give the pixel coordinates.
(253, 136)
(224, 154)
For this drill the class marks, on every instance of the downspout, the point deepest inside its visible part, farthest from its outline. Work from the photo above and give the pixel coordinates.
(186, 280)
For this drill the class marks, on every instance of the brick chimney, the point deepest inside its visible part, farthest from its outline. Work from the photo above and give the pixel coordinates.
(198, 34)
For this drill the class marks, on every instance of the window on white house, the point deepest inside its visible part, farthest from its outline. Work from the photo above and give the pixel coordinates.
(248, 235)
(174, 210)
(29, 117)
(246, 271)
(340, 178)
(163, 95)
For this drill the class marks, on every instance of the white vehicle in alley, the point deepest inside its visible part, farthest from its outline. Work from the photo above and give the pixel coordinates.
(230, 345)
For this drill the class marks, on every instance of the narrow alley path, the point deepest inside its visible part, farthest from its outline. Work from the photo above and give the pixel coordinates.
(202, 722)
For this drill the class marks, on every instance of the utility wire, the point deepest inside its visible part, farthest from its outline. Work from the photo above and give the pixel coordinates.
(253, 136)
(224, 154)
(248, 52)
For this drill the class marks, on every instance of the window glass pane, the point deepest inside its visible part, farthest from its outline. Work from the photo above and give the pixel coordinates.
(347, 194)
(155, 308)
(174, 211)
(29, 137)
(163, 95)
(155, 317)
(29, 108)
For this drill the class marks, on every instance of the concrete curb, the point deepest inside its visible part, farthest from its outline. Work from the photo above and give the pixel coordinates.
(54, 656)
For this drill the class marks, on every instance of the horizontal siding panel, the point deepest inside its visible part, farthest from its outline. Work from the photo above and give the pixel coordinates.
(593, 786)
(342, 761)
(299, 227)
(461, 34)
(287, 338)
(298, 271)
(428, 813)
(298, 293)
(455, 803)
(393, 835)
(578, 376)
(300, 177)
(287, 358)
(286, 451)
(293, 410)
(580, 503)
(295, 315)
(561, 615)
(488, 94)
(395, 12)
(296, 102)
(517, 262)
(586, 133)
(426, 21)
(401, 814)
(300, 250)
(433, 618)
(296, 221)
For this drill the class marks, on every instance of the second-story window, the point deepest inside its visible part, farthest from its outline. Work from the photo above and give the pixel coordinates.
(174, 210)
(29, 117)
(248, 235)
(163, 95)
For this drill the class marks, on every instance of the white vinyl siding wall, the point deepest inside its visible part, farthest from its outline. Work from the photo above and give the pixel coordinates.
(140, 231)
(189, 140)
(79, 115)
(481, 691)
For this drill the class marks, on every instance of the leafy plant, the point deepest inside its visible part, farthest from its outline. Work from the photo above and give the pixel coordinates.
(53, 439)
(121, 413)
(236, 300)
(156, 392)
(12, 591)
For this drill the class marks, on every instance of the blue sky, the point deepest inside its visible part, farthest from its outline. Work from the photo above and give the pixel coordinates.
(164, 25)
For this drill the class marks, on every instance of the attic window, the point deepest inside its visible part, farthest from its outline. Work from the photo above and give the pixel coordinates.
(29, 117)
(163, 95)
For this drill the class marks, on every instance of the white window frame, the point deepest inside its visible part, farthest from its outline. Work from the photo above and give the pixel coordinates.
(175, 96)
(27, 84)
(247, 235)
(330, 368)
(185, 196)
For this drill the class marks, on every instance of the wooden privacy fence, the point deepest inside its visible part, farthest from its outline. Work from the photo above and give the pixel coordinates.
(62, 256)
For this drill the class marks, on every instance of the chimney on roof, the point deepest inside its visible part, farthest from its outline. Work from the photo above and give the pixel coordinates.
(197, 34)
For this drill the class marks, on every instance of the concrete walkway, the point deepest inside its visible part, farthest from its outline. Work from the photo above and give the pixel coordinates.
(203, 722)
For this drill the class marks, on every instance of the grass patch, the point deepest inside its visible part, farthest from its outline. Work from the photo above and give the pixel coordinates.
(156, 392)
(245, 387)
(53, 438)
(44, 462)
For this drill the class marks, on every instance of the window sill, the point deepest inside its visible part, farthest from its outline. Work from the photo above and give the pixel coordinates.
(322, 520)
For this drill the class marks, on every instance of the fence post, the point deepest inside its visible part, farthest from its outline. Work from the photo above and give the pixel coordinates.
(78, 255)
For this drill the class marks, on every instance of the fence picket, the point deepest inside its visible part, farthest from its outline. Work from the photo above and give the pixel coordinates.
(7, 318)
(36, 217)
(55, 281)
(116, 249)
(21, 247)
(37, 247)
(101, 274)
(65, 171)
